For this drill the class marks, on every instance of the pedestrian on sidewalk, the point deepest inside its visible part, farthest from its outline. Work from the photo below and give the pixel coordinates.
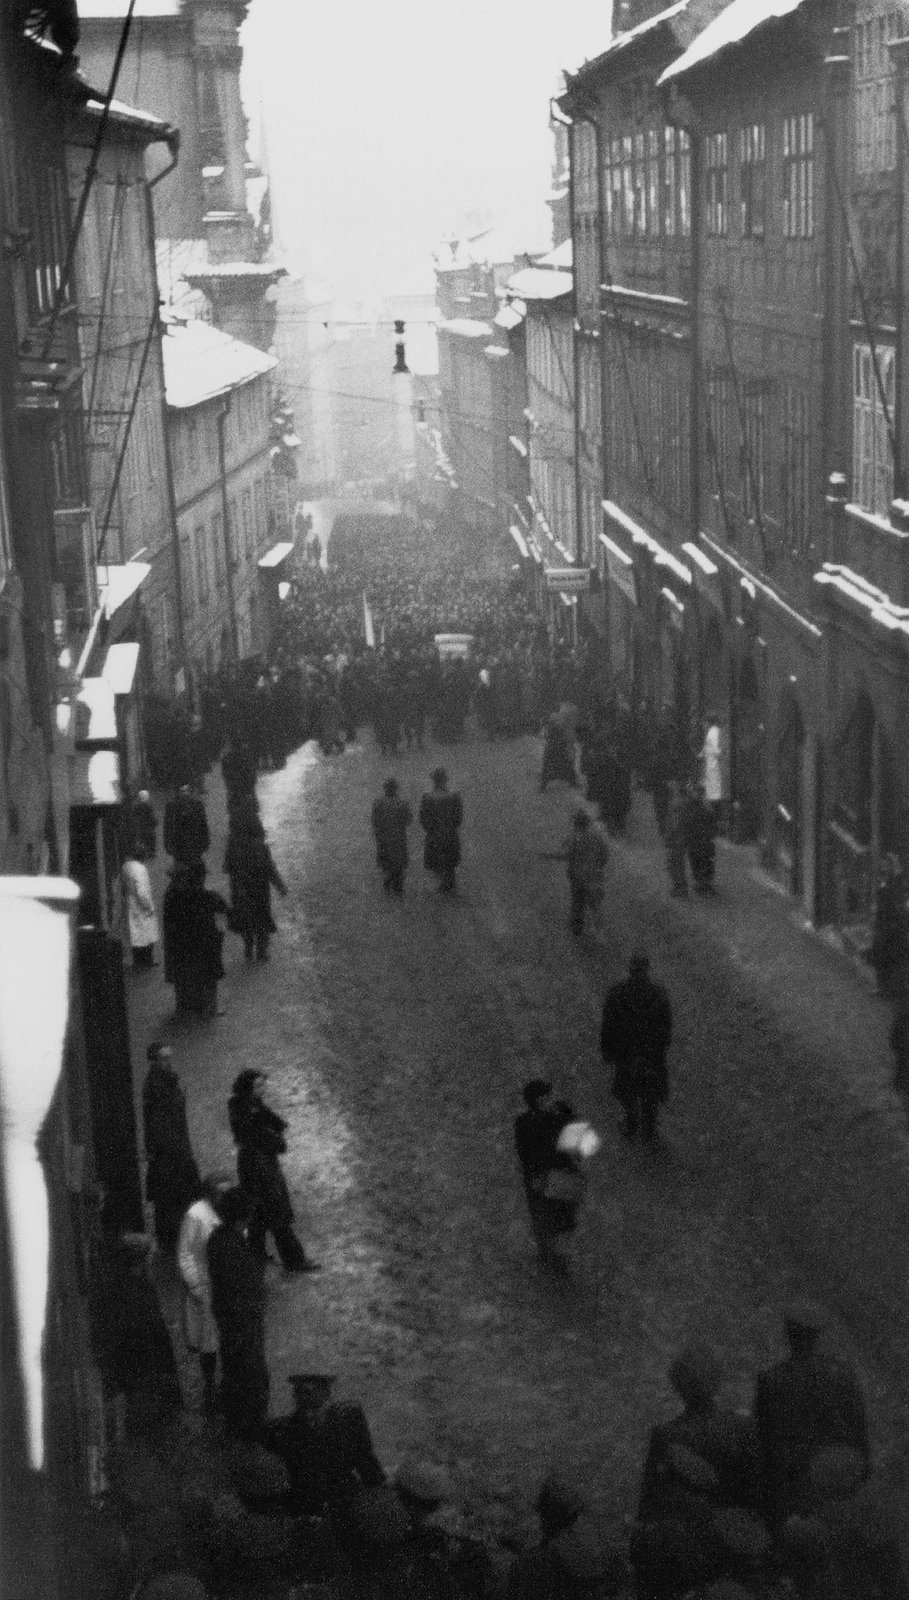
(441, 816)
(586, 855)
(635, 1035)
(391, 818)
(251, 871)
(326, 1446)
(193, 941)
(139, 906)
(186, 835)
(172, 1178)
(574, 1556)
(712, 759)
(675, 841)
(259, 1134)
(700, 839)
(802, 1405)
(554, 1181)
(889, 953)
(142, 825)
(236, 1274)
(558, 753)
(199, 1326)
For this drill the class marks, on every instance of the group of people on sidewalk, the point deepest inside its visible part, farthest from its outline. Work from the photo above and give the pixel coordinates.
(440, 814)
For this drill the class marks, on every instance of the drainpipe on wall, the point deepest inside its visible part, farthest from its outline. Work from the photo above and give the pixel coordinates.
(223, 415)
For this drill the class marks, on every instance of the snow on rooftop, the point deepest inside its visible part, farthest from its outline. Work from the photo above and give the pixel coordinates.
(201, 362)
(622, 40)
(510, 316)
(540, 283)
(561, 256)
(119, 8)
(466, 328)
(731, 26)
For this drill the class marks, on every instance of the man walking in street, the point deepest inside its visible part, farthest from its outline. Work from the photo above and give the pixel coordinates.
(172, 1179)
(259, 1135)
(635, 1035)
(441, 815)
(586, 855)
(186, 835)
(391, 818)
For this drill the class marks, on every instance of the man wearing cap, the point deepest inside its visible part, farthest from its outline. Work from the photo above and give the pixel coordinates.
(441, 815)
(635, 1035)
(325, 1445)
(802, 1405)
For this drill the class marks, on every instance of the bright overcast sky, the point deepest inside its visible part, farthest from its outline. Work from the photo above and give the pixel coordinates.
(388, 124)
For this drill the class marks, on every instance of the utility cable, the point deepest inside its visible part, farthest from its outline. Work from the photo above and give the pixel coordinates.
(88, 180)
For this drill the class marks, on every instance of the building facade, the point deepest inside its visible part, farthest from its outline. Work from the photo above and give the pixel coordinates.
(220, 407)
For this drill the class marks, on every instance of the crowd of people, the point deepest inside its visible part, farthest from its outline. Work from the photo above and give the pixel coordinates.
(786, 1501)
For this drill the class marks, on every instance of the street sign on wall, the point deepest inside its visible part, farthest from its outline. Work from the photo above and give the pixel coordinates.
(568, 580)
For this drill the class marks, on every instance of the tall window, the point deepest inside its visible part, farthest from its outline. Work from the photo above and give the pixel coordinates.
(752, 170)
(872, 453)
(670, 180)
(796, 467)
(754, 458)
(217, 548)
(608, 193)
(627, 187)
(717, 185)
(875, 88)
(640, 187)
(247, 521)
(798, 176)
(201, 564)
(684, 183)
(653, 181)
(186, 570)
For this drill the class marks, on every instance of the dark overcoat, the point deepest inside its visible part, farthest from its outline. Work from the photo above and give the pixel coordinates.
(259, 1135)
(441, 816)
(391, 818)
(635, 1034)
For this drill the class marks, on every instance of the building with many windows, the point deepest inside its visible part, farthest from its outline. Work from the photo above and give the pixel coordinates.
(219, 412)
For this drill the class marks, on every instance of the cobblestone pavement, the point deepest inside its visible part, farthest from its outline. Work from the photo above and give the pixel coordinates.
(397, 1036)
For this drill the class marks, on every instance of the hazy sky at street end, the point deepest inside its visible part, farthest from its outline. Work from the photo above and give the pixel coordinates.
(389, 124)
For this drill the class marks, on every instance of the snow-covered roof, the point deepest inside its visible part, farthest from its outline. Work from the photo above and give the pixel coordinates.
(466, 328)
(119, 8)
(540, 283)
(201, 362)
(732, 25)
(623, 40)
(510, 316)
(143, 121)
(238, 269)
(562, 256)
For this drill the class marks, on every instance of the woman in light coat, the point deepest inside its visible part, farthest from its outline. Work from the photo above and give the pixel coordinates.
(139, 907)
(199, 1326)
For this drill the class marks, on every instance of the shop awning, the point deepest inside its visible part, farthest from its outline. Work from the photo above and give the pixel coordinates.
(520, 541)
(94, 778)
(120, 666)
(96, 716)
(274, 556)
(117, 584)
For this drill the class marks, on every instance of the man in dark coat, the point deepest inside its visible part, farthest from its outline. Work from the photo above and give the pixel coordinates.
(237, 1301)
(634, 1040)
(326, 1447)
(391, 818)
(700, 839)
(193, 940)
(803, 1405)
(259, 1135)
(186, 836)
(142, 825)
(172, 1179)
(441, 815)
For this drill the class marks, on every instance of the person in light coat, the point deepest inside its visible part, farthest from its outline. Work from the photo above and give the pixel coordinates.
(712, 760)
(139, 907)
(199, 1326)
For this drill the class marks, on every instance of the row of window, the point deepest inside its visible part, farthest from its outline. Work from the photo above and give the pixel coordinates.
(194, 435)
(875, 87)
(647, 184)
(796, 179)
(646, 418)
(203, 556)
(549, 356)
(752, 427)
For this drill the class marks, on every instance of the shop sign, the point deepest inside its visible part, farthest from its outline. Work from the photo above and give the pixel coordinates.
(568, 580)
(622, 574)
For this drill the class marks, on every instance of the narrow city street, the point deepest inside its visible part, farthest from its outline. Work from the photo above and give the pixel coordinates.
(397, 1036)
